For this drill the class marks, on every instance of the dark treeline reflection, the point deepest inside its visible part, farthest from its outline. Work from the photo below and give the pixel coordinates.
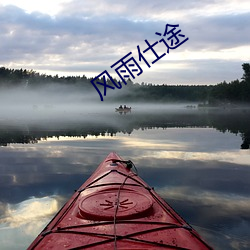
(234, 121)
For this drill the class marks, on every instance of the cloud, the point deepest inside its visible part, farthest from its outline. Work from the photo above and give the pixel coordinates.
(233, 204)
(86, 37)
(26, 220)
(219, 32)
(140, 10)
(29, 210)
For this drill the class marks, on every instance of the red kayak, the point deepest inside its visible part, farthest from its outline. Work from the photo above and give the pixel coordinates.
(116, 209)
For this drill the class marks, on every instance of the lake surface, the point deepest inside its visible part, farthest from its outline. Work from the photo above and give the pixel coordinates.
(197, 160)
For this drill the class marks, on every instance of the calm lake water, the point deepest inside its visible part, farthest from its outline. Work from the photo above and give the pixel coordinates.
(197, 160)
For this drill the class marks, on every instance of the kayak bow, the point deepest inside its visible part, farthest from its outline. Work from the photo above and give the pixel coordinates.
(116, 209)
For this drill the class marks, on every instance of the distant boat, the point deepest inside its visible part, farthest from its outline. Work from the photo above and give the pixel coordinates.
(125, 110)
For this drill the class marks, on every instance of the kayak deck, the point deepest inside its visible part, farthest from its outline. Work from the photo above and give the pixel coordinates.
(116, 209)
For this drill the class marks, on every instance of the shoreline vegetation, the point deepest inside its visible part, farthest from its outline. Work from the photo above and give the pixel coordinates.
(225, 94)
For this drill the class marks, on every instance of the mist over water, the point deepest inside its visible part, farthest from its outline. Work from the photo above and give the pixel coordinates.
(56, 110)
(52, 102)
(61, 102)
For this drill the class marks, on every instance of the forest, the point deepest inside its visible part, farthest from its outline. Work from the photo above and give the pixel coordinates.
(224, 93)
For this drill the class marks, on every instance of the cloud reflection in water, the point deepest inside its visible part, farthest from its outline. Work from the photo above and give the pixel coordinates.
(21, 222)
(198, 171)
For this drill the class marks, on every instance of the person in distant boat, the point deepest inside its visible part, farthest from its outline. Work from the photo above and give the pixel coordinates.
(120, 107)
(125, 106)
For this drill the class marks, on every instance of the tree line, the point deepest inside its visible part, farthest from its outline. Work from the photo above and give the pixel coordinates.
(236, 91)
(32, 79)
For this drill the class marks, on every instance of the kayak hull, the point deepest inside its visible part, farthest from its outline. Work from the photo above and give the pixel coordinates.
(116, 209)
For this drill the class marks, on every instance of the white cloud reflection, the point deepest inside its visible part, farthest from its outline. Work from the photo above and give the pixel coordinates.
(171, 143)
(22, 222)
(235, 156)
(232, 203)
(30, 212)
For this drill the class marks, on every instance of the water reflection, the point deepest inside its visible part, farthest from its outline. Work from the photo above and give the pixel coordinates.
(196, 167)
(21, 221)
(111, 123)
(31, 210)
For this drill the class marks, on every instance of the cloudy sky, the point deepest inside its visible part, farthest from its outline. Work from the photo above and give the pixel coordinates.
(76, 37)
